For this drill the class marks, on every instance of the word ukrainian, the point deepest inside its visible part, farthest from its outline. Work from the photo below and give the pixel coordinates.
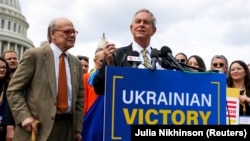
(172, 107)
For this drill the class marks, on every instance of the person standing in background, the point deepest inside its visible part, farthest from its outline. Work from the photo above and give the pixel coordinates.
(181, 57)
(11, 57)
(8, 121)
(90, 95)
(197, 63)
(85, 63)
(220, 63)
(4, 80)
(93, 105)
(34, 92)
(239, 77)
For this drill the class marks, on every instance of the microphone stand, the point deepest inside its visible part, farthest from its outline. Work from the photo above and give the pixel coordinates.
(167, 64)
(199, 69)
(188, 67)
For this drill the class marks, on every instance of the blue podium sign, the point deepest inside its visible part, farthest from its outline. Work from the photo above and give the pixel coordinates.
(161, 97)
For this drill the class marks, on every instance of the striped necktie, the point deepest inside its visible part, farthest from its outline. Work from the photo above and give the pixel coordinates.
(147, 62)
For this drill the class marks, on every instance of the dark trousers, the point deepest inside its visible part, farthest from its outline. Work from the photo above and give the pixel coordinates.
(2, 133)
(62, 130)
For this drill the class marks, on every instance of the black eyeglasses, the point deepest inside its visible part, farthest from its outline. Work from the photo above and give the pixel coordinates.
(220, 64)
(181, 60)
(68, 32)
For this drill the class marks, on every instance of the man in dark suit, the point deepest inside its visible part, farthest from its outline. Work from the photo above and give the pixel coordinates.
(142, 28)
(33, 89)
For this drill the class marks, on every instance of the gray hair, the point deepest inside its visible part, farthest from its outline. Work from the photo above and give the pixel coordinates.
(220, 57)
(50, 28)
(153, 22)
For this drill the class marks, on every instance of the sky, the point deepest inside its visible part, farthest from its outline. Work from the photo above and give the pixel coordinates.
(195, 27)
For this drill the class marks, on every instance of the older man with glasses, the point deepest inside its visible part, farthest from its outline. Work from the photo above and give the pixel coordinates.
(47, 88)
(220, 63)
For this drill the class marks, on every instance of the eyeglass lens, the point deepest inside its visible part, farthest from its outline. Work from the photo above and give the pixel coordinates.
(181, 60)
(220, 64)
(68, 32)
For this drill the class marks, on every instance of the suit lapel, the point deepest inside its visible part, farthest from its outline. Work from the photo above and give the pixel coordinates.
(73, 73)
(50, 67)
(126, 51)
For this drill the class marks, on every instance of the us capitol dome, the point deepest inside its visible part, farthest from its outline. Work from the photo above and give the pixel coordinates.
(13, 28)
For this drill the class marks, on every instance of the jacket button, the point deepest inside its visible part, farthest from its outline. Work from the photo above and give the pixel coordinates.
(52, 118)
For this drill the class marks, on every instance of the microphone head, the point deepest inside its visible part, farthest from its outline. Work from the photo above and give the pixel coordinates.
(168, 60)
(154, 53)
(165, 50)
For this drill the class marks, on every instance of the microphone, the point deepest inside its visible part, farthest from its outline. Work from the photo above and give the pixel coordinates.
(166, 52)
(154, 58)
(113, 58)
(123, 59)
(134, 59)
(164, 62)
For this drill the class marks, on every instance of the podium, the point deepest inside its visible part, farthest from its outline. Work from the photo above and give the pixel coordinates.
(161, 97)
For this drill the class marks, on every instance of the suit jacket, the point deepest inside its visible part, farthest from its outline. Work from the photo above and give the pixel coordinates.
(32, 92)
(119, 60)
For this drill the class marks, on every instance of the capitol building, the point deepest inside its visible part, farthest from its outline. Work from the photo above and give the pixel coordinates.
(13, 28)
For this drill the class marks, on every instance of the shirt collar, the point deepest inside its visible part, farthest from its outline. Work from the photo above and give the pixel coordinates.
(56, 50)
(138, 48)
